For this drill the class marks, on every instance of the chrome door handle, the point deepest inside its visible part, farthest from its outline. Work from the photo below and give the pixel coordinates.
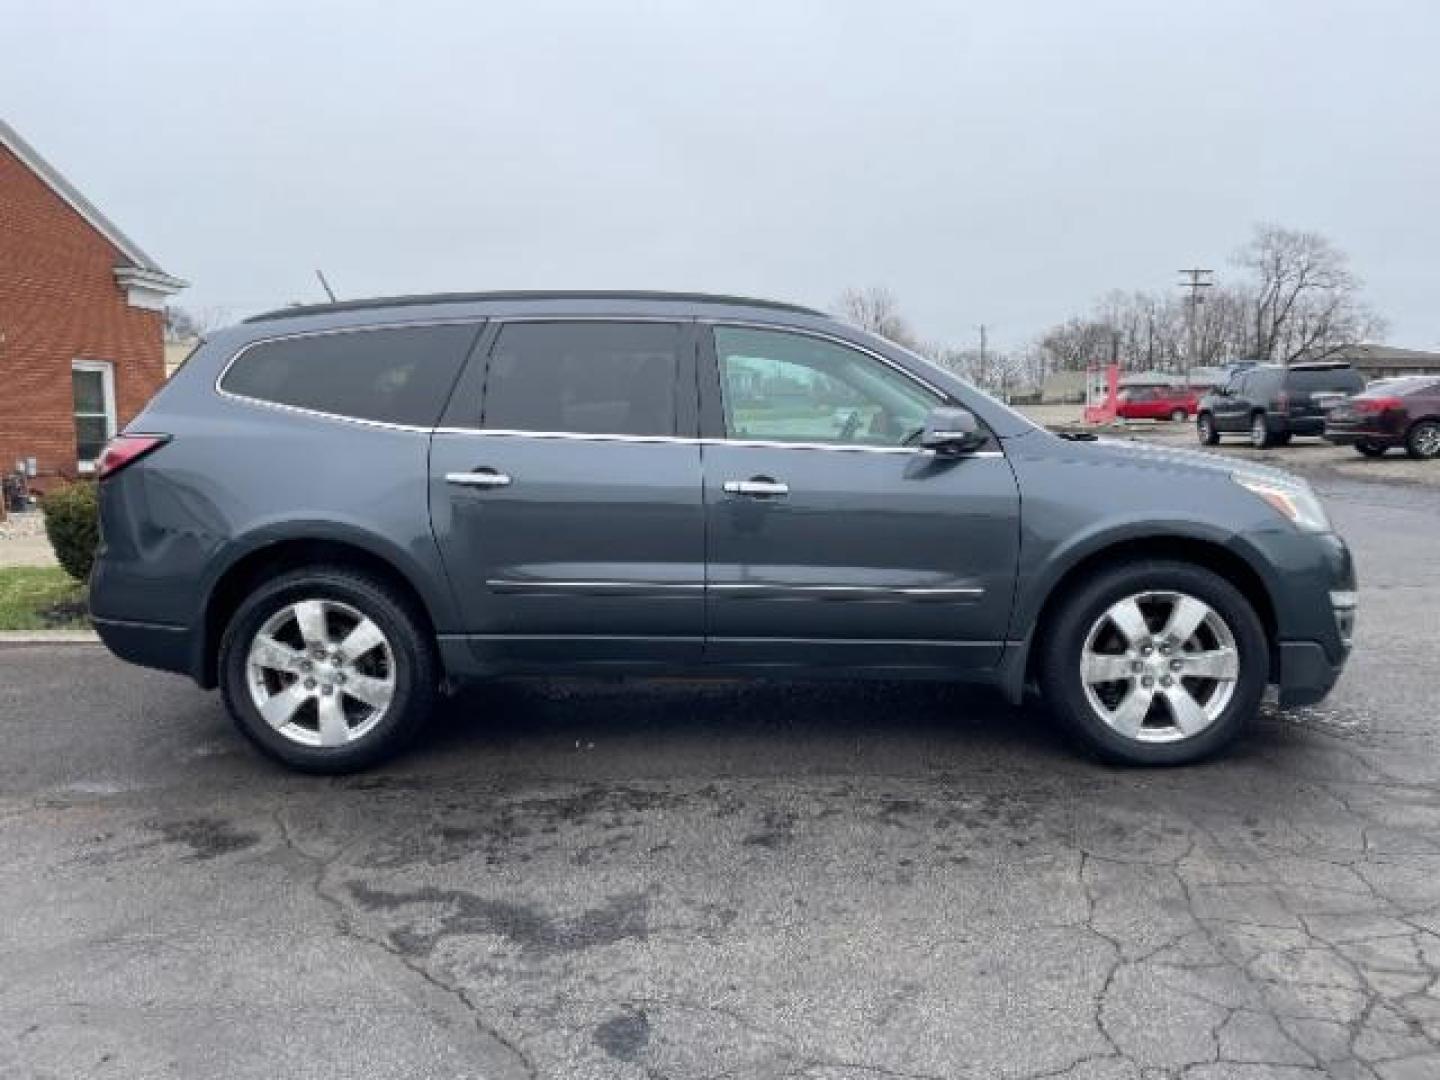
(760, 486)
(481, 478)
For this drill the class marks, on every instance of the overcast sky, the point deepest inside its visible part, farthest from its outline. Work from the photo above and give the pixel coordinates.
(1000, 162)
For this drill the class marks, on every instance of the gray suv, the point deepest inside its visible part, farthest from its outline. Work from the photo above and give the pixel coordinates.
(335, 512)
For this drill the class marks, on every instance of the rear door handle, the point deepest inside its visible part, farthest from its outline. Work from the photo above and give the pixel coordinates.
(758, 486)
(481, 478)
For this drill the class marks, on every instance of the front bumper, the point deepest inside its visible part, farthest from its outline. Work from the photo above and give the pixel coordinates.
(1305, 670)
(1306, 673)
(1316, 606)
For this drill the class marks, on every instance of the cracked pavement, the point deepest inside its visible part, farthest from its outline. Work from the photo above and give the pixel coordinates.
(693, 879)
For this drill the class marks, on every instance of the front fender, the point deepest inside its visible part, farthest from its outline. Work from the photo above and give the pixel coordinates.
(1041, 576)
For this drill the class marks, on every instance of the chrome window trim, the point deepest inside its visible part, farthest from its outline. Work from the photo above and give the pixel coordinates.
(685, 440)
(581, 436)
(321, 413)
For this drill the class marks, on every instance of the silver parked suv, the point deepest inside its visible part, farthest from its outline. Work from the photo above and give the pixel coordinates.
(332, 512)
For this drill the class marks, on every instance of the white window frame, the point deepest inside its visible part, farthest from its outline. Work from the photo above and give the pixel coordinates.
(107, 383)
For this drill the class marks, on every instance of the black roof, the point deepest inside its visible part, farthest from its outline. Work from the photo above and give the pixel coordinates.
(422, 299)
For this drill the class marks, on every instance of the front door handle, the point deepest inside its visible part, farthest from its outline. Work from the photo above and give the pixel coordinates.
(481, 478)
(757, 486)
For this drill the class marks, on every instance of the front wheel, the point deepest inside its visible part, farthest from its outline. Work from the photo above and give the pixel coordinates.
(1178, 416)
(328, 670)
(1156, 663)
(1424, 440)
(1205, 430)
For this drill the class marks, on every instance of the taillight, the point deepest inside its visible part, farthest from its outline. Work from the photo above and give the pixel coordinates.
(126, 450)
(1378, 404)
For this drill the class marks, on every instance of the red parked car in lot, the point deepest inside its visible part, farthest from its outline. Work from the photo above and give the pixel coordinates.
(1393, 412)
(1156, 403)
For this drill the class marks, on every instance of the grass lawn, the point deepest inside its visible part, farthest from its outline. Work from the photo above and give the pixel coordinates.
(40, 598)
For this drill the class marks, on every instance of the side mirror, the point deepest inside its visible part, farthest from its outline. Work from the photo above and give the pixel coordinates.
(952, 431)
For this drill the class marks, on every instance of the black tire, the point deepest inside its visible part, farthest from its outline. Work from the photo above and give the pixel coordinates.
(1370, 449)
(1261, 437)
(410, 644)
(1283, 439)
(1423, 440)
(1062, 644)
(1179, 416)
(1205, 430)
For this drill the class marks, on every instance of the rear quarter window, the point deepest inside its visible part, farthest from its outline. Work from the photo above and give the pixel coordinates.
(1333, 380)
(400, 375)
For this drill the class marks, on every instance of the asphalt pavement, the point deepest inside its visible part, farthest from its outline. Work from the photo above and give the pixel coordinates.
(700, 879)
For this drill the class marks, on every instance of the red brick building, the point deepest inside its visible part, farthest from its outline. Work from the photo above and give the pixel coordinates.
(82, 313)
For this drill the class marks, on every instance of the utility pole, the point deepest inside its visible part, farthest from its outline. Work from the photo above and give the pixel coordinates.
(1195, 281)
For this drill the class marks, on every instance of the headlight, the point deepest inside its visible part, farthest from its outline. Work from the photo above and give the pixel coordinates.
(1293, 498)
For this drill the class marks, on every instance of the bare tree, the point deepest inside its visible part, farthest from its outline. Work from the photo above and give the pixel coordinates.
(875, 309)
(1306, 301)
(187, 324)
(1076, 343)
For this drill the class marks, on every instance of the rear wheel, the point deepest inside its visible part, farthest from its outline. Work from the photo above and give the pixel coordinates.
(1260, 437)
(1424, 440)
(1370, 449)
(327, 670)
(1205, 430)
(1156, 663)
(1178, 416)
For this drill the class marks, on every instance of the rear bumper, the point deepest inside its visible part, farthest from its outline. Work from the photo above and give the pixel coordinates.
(1351, 436)
(1297, 425)
(152, 645)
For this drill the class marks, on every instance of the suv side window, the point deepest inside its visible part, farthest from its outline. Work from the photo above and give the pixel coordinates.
(787, 387)
(590, 378)
(395, 376)
(1326, 379)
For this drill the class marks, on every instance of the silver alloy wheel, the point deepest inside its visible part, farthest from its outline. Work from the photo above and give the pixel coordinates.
(1427, 440)
(1159, 666)
(321, 673)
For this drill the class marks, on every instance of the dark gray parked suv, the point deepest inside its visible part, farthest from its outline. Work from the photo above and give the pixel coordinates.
(333, 512)
(1272, 404)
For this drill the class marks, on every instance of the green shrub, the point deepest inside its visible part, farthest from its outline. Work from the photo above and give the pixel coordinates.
(72, 522)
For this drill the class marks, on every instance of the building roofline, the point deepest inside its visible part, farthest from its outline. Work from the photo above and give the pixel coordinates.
(55, 180)
(423, 299)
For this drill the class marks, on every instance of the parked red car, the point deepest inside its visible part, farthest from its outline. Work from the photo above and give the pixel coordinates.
(1394, 412)
(1156, 403)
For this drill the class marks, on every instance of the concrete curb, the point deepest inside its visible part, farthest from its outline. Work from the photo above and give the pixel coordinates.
(48, 637)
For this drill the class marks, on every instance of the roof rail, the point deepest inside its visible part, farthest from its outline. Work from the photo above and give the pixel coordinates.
(421, 299)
